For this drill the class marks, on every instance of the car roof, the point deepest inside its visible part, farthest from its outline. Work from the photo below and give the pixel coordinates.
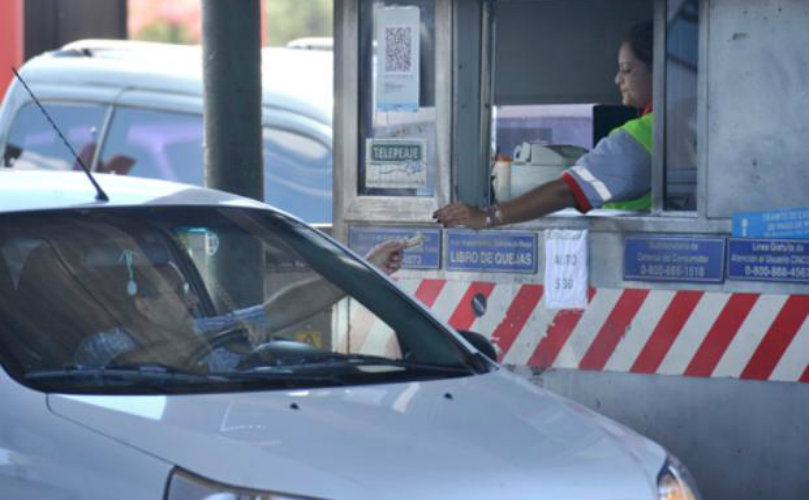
(312, 43)
(29, 190)
(295, 79)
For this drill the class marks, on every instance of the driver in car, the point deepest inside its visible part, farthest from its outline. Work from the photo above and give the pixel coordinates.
(158, 310)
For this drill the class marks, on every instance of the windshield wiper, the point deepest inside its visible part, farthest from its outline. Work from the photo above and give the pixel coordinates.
(128, 373)
(283, 376)
(155, 377)
(370, 360)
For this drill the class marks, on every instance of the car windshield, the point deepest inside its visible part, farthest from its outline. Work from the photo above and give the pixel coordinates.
(203, 299)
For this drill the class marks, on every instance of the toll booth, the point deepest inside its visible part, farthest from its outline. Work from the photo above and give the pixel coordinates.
(688, 322)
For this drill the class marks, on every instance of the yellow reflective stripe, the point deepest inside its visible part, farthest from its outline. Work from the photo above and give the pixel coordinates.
(640, 129)
(639, 205)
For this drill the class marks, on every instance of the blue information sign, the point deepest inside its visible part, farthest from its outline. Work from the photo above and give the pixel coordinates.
(788, 223)
(426, 254)
(674, 258)
(492, 251)
(768, 260)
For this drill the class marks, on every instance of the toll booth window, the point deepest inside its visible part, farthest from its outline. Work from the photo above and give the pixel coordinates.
(681, 104)
(560, 100)
(34, 144)
(397, 98)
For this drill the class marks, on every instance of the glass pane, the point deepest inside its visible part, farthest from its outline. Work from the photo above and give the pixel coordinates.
(573, 96)
(379, 119)
(33, 143)
(154, 144)
(135, 301)
(357, 330)
(681, 104)
(298, 175)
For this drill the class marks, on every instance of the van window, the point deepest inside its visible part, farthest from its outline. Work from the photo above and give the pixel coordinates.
(154, 144)
(168, 145)
(298, 174)
(34, 144)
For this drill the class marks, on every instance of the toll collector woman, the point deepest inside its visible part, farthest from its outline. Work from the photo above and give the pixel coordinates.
(615, 174)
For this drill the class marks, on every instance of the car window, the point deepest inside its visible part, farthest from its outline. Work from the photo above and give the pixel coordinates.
(154, 144)
(188, 299)
(34, 144)
(298, 174)
(168, 145)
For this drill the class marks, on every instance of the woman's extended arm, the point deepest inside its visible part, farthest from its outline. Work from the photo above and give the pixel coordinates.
(547, 198)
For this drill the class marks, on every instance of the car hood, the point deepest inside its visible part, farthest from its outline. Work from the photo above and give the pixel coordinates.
(491, 436)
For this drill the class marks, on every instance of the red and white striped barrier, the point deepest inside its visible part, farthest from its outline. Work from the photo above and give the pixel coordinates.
(689, 332)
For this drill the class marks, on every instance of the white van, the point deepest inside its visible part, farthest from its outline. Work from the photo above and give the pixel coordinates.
(135, 108)
(133, 368)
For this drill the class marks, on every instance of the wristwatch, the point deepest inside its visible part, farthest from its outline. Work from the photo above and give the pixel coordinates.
(493, 215)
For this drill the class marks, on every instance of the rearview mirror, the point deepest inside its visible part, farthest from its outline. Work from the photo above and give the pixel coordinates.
(480, 343)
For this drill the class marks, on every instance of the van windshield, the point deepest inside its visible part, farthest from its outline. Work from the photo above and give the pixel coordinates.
(203, 299)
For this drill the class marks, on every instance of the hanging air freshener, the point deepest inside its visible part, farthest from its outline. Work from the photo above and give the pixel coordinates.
(128, 256)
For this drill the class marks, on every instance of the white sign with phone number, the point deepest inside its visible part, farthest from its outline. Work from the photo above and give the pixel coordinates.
(566, 269)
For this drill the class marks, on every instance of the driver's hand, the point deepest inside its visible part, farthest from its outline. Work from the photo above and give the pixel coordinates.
(388, 255)
(256, 334)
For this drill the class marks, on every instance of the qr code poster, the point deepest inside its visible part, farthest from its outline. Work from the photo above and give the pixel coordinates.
(397, 59)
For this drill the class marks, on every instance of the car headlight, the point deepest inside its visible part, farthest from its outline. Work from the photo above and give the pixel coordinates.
(183, 485)
(675, 482)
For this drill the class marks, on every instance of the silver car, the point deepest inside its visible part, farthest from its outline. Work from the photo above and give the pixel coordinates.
(176, 342)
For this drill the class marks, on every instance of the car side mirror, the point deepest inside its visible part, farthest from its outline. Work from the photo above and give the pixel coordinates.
(480, 342)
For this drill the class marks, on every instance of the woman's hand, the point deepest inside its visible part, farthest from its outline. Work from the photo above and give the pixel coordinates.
(461, 214)
(388, 255)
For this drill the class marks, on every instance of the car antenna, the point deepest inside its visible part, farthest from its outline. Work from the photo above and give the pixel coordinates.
(100, 194)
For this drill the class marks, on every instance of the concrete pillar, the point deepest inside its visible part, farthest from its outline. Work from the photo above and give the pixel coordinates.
(231, 49)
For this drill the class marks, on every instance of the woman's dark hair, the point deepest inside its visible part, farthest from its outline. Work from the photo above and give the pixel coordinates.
(640, 39)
